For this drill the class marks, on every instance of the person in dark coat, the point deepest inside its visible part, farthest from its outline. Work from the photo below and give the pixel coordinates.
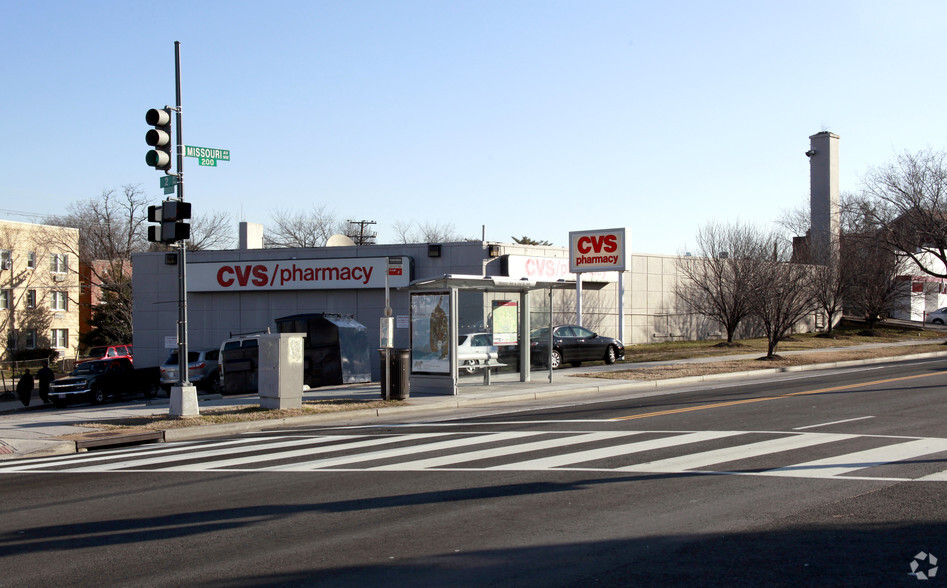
(45, 377)
(24, 388)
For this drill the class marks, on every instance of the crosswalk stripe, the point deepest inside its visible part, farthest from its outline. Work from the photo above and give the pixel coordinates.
(370, 442)
(399, 451)
(150, 460)
(616, 450)
(41, 463)
(935, 477)
(705, 458)
(851, 462)
(451, 450)
(433, 462)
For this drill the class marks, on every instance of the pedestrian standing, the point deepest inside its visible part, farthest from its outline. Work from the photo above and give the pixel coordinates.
(24, 388)
(45, 377)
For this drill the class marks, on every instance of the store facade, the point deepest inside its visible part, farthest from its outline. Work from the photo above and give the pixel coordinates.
(247, 290)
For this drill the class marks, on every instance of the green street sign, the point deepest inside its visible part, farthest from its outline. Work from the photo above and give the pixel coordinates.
(169, 189)
(206, 155)
(167, 181)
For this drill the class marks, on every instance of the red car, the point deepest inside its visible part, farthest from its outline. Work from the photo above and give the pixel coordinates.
(107, 352)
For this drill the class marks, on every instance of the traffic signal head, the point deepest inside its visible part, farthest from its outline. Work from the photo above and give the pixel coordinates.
(169, 216)
(159, 137)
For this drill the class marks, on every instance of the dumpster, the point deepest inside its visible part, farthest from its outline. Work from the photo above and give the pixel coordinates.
(336, 349)
(399, 362)
(239, 361)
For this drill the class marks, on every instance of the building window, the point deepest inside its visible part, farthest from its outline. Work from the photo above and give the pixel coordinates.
(4, 300)
(31, 298)
(31, 339)
(58, 301)
(31, 260)
(58, 263)
(6, 259)
(59, 339)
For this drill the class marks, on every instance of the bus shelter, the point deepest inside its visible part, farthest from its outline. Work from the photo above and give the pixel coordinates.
(451, 308)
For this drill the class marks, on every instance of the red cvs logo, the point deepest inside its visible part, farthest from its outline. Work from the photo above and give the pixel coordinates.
(227, 275)
(597, 244)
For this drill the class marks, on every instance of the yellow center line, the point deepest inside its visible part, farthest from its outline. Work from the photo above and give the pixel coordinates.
(765, 398)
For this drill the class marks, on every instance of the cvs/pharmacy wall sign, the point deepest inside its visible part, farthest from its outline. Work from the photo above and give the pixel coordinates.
(597, 251)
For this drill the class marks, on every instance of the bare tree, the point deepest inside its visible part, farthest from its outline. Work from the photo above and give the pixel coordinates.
(213, 230)
(715, 283)
(779, 290)
(910, 208)
(425, 232)
(871, 273)
(827, 286)
(303, 229)
(112, 227)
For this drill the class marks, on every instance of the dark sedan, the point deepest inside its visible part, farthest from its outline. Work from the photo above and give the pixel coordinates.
(573, 344)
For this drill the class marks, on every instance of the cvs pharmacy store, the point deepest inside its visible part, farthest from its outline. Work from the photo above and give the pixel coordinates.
(245, 290)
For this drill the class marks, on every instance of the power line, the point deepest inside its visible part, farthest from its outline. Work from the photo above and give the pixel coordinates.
(26, 214)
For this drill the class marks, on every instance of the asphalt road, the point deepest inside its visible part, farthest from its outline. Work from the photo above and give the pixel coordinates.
(819, 478)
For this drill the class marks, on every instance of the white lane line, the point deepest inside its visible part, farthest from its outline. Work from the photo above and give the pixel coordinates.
(936, 477)
(605, 452)
(749, 450)
(399, 451)
(433, 462)
(832, 423)
(852, 462)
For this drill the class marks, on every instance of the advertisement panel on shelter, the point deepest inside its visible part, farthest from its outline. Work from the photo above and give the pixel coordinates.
(505, 322)
(430, 333)
(597, 251)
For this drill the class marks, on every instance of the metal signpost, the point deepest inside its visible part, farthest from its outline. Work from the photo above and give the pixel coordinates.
(170, 215)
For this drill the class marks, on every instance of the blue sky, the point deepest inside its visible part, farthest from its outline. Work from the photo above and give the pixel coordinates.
(526, 117)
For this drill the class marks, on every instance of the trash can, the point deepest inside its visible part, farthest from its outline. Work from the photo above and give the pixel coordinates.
(400, 367)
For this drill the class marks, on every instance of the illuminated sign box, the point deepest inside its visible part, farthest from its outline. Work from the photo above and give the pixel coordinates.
(597, 251)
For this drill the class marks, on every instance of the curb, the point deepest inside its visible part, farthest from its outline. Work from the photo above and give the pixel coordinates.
(65, 446)
(454, 402)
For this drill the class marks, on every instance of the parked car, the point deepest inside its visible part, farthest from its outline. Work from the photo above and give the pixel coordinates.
(202, 370)
(473, 349)
(937, 317)
(107, 352)
(574, 344)
(99, 380)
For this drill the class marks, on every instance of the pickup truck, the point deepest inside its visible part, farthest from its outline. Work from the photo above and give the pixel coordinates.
(99, 380)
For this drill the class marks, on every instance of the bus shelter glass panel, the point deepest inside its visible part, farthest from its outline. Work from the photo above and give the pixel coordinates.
(430, 328)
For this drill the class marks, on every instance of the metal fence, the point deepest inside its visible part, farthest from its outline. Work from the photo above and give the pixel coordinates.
(10, 371)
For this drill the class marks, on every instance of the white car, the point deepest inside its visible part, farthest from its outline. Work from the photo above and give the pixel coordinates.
(474, 349)
(937, 317)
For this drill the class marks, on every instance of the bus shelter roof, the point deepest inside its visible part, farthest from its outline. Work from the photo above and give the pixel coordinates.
(487, 283)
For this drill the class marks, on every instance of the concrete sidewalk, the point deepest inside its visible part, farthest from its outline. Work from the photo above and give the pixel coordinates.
(37, 430)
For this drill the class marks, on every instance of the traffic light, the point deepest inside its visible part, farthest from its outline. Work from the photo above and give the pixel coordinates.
(159, 137)
(169, 216)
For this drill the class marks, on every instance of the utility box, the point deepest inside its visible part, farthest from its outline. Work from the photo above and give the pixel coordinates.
(281, 370)
(336, 350)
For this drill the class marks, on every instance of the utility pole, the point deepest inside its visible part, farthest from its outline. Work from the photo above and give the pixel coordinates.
(362, 238)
